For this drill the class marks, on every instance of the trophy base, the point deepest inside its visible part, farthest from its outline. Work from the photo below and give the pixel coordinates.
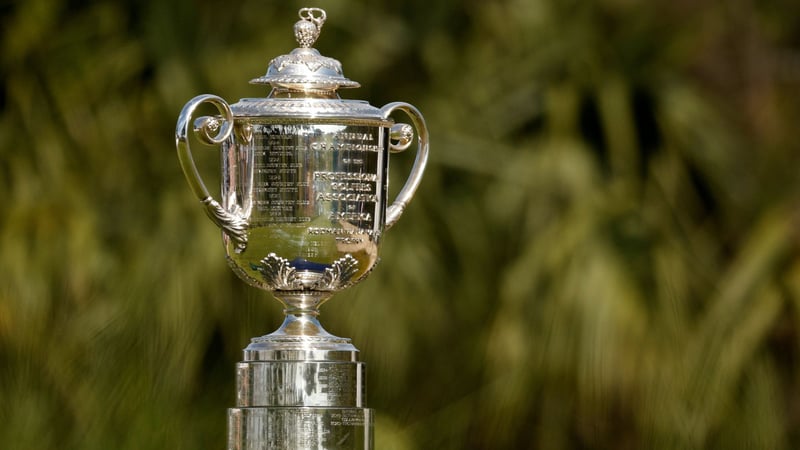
(300, 388)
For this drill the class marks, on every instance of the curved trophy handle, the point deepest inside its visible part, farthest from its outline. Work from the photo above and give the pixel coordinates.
(211, 131)
(403, 134)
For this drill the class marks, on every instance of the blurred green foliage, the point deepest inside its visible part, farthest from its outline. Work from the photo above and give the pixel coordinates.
(603, 254)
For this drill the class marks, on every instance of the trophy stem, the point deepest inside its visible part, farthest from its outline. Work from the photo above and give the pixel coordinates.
(302, 325)
(301, 329)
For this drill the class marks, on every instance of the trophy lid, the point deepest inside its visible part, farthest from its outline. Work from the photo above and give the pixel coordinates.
(305, 70)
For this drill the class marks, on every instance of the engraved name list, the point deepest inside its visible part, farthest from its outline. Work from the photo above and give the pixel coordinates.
(305, 173)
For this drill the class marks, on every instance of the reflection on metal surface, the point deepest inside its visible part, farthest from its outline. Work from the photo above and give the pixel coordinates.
(280, 275)
(303, 209)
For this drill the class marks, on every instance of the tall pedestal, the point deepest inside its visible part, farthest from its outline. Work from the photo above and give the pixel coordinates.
(300, 393)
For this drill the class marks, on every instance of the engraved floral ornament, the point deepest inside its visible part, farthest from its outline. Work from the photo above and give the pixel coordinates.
(281, 275)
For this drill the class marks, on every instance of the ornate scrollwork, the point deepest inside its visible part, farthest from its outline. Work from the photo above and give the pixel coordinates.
(312, 61)
(234, 226)
(280, 275)
(215, 131)
(339, 274)
(211, 130)
(401, 135)
(252, 107)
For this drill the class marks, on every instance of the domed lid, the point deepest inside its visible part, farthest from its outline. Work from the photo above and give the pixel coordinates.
(305, 70)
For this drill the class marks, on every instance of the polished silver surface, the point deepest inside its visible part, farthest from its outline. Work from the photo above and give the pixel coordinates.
(306, 428)
(302, 209)
(312, 196)
(301, 383)
(304, 186)
(304, 69)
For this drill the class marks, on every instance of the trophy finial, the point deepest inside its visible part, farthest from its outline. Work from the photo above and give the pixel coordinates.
(307, 29)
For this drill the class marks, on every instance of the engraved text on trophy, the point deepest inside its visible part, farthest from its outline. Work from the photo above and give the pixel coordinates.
(308, 172)
(314, 196)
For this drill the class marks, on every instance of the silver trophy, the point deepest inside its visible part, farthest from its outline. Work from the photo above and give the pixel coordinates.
(303, 209)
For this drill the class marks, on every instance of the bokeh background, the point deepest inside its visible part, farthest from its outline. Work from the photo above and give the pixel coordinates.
(603, 253)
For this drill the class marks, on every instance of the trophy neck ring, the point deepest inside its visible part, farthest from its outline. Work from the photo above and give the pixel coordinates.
(300, 337)
(302, 303)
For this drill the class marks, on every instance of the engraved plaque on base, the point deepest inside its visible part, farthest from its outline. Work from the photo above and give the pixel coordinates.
(300, 428)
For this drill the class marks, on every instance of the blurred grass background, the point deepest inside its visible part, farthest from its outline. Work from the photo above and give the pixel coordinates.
(603, 254)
